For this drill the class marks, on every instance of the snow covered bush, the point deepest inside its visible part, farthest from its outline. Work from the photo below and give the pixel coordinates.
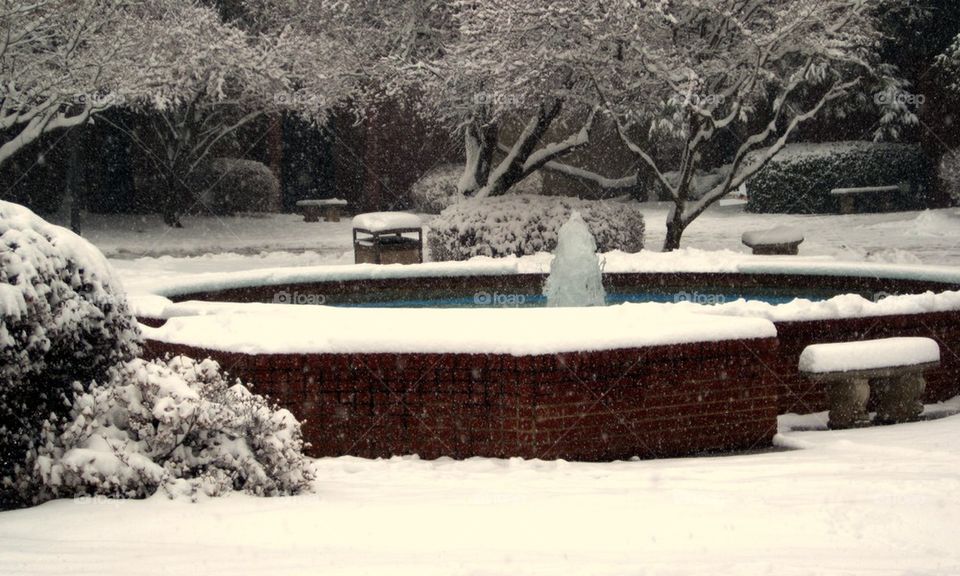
(63, 318)
(179, 426)
(436, 190)
(231, 185)
(532, 184)
(949, 172)
(799, 179)
(527, 224)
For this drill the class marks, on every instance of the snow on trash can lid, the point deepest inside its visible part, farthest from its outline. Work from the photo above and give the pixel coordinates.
(382, 221)
(778, 235)
(869, 355)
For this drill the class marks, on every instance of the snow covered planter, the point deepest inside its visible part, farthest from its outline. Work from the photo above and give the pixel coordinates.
(63, 318)
(526, 224)
(179, 426)
(799, 179)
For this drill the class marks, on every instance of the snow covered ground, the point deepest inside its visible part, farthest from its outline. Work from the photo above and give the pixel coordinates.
(142, 247)
(872, 501)
(877, 501)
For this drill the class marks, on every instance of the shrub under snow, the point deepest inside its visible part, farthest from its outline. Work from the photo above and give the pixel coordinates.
(231, 185)
(63, 318)
(437, 189)
(799, 179)
(526, 224)
(950, 176)
(178, 426)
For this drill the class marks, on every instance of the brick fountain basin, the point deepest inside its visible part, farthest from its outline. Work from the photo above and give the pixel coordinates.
(633, 380)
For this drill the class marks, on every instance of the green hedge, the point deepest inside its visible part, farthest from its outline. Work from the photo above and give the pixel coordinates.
(800, 178)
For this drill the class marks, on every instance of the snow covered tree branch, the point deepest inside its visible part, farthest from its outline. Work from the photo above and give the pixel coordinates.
(705, 74)
(60, 63)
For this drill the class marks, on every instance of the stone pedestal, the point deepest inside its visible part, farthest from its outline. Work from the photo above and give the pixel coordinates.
(848, 403)
(898, 398)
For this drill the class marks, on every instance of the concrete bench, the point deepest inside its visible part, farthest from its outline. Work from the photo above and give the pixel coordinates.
(782, 241)
(848, 196)
(891, 369)
(328, 208)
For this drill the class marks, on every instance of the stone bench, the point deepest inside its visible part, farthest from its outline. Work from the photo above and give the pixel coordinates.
(779, 241)
(328, 208)
(848, 196)
(891, 369)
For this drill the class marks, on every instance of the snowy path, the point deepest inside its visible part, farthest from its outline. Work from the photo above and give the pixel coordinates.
(872, 501)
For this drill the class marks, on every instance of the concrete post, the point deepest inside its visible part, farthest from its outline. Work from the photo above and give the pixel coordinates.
(848, 403)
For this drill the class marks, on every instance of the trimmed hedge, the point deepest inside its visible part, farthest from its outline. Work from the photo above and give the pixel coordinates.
(800, 178)
(950, 177)
(436, 190)
(519, 225)
(232, 185)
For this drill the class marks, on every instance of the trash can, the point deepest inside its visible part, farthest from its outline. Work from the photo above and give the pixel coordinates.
(387, 238)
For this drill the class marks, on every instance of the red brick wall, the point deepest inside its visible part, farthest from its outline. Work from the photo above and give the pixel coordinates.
(678, 400)
(653, 402)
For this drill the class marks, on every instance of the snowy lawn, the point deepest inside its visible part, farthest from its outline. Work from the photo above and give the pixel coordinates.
(143, 248)
(872, 501)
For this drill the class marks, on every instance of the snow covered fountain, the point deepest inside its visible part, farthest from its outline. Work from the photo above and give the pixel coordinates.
(462, 359)
(576, 278)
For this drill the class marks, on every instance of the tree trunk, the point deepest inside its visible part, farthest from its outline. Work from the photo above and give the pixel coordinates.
(511, 170)
(73, 187)
(170, 201)
(480, 143)
(675, 228)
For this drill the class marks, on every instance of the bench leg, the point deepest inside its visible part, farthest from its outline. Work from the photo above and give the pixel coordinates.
(332, 214)
(311, 214)
(847, 205)
(899, 398)
(848, 403)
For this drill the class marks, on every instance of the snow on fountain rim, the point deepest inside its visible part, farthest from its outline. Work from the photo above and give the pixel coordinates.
(217, 281)
(291, 329)
(682, 261)
(152, 300)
